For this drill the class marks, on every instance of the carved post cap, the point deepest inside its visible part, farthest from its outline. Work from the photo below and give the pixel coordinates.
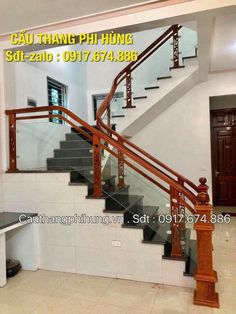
(203, 196)
(203, 181)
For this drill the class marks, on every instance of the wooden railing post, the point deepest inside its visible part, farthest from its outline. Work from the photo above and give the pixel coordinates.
(121, 166)
(176, 250)
(109, 115)
(97, 167)
(205, 276)
(175, 43)
(12, 143)
(181, 206)
(128, 84)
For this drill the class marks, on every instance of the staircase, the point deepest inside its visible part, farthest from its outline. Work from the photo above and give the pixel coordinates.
(82, 154)
(75, 155)
(159, 96)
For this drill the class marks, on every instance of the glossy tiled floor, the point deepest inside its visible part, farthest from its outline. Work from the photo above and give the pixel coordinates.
(53, 292)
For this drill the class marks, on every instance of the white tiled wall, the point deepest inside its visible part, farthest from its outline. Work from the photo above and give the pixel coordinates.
(86, 248)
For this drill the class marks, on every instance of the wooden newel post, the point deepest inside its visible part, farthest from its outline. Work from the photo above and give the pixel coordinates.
(97, 167)
(205, 276)
(12, 143)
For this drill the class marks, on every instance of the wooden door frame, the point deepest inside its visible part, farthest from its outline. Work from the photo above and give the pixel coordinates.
(212, 111)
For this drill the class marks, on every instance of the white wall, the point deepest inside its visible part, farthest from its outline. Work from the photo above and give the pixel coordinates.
(101, 74)
(180, 136)
(86, 248)
(29, 79)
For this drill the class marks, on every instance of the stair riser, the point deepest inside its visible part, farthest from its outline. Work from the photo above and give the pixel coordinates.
(72, 153)
(82, 177)
(128, 216)
(75, 144)
(120, 202)
(148, 233)
(106, 186)
(67, 163)
(117, 201)
(76, 136)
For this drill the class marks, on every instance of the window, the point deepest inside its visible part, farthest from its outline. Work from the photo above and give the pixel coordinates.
(116, 104)
(57, 93)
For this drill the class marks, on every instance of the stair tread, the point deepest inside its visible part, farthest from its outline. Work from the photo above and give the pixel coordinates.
(190, 57)
(132, 200)
(180, 67)
(79, 140)
(139, 97)
(82, 157)
(151, 87)
(164, 77)
(76, 148)
(111, 193)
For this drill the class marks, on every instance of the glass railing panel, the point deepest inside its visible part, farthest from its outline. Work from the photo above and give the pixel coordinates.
(187, 41)
(36, 141)
(159, 63)
(140, 201)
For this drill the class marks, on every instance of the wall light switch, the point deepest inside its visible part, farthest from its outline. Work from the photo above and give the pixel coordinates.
(116, 243)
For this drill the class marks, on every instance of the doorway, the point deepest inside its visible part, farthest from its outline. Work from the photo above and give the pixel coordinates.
(223, 152)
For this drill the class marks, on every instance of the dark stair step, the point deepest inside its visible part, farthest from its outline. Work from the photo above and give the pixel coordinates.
(118, 200)
(123, 202)
(68, 162)
(184, 239)
(151, 87)
(73, 130)
(108, 189)
(139, 97)
(156, 233)
(175, 68)
(75, 144)
(77, 136)
(108, 184)
(76, 152)
(85, 174)
(189, 57)
(164, 77)
(140, 211)
(191, 263)
(118, 116)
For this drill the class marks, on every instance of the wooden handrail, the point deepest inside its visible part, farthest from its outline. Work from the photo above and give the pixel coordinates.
(205, 275)
(120, 148)
(180, 194)
(119, 78)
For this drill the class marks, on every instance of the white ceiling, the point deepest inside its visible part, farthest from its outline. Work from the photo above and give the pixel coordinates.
(17, 15)
(223, 54)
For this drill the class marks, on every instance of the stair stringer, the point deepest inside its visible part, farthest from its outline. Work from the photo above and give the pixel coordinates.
(179, 90)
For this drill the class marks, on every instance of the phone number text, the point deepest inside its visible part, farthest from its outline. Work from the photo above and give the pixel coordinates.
(73, 56)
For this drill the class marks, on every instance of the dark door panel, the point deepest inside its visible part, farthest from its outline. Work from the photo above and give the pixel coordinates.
(223, 138)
